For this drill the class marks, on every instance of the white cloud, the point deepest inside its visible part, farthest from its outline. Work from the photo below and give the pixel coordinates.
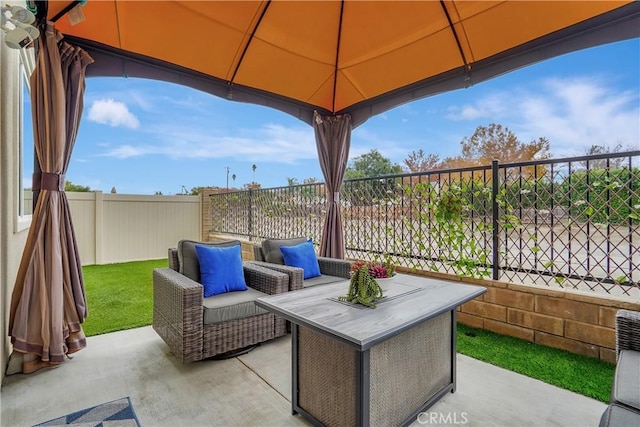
(112, 113)
(575, 114)
(487, 107)
(363, 141)
(572, 113)
(125, 151)
(271, 143)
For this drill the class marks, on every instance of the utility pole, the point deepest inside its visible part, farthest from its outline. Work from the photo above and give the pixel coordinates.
(227, 168)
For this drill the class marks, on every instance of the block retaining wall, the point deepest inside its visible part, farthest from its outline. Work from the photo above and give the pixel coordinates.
(575, 321)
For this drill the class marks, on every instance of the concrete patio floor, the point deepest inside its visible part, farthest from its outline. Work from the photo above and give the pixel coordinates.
(255, 390)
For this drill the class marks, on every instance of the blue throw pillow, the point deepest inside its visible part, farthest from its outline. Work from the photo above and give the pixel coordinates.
(221, 269)
(304, 256)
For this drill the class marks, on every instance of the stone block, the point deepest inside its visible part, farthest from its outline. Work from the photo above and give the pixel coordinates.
(486, 310)
(569, 345)
(536, 289)
(608, 355)
(592, 334)
(538, 322)
(510, 330)
(470, 320)
(567, 309)
(607, 317)
(510, 298)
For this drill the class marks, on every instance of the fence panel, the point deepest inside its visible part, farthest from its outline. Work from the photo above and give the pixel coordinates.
(577, 223)
(571, 223)
(138, 227)
(113, 228)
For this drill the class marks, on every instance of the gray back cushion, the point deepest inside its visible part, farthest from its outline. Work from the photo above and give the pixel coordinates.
(188, 258)
(271, 248)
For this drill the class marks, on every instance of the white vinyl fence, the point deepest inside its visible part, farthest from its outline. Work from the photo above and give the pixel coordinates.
(113, 228)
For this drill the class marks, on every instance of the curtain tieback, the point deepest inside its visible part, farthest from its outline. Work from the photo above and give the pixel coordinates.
(335, 198)
(48, 181)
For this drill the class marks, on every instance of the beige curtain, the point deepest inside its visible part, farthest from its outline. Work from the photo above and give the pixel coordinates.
(333, 138)
(48, 303)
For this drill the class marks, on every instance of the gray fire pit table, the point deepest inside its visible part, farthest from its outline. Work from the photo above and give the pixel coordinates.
(353, 365)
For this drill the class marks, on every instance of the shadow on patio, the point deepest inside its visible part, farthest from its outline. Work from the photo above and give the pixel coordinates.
(255, 389)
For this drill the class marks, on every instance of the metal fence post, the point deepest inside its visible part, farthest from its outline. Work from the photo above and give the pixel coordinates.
(495, 213)
(250, 219)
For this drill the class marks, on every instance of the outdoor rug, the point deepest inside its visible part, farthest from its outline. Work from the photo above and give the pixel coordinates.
(118, 413)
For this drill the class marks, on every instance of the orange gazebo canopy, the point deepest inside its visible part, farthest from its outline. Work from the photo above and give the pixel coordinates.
(361, 57)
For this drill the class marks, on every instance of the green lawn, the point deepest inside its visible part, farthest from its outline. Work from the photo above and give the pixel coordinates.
(120, 297)
(585, 375)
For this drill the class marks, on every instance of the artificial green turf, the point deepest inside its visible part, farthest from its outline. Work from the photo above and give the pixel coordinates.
(585, 375)
(120, 296)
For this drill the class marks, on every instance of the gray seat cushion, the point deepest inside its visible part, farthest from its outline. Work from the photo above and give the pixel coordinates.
(626, 383)
(617, 415)
(188, 258)
(323, 279)
(271, 248)
(231, 306)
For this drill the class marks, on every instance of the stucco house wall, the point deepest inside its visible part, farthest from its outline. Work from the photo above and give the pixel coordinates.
(13, 229)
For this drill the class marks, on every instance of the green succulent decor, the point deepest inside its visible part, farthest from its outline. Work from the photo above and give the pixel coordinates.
(363, 289)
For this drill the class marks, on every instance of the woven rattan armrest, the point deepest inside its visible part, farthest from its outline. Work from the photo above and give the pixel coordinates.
(335, 267)
(627, 330)
(177, 313)
(257, 252)
(265, 279)
(294, 274)
(172, 256)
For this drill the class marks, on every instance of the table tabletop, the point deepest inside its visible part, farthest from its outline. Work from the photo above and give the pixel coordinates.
(408, 300)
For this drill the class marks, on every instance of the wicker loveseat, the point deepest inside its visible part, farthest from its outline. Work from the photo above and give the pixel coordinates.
(195, 327)
(267, 254)
(624, 409)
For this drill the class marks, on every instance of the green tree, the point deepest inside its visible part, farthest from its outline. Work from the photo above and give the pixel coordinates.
(371, 164)
(71, 187)
(371, 191)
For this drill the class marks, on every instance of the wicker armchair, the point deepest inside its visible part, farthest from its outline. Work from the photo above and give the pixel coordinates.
(182, 316)
(627, 331)
(624, 409)
(332, 269)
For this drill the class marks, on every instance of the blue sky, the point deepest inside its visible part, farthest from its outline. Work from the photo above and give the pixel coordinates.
(142, 136)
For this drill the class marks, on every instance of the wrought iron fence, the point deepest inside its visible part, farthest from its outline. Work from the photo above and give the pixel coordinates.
(572, 222)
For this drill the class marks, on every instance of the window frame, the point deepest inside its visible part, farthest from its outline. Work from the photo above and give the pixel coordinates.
(22, 220)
